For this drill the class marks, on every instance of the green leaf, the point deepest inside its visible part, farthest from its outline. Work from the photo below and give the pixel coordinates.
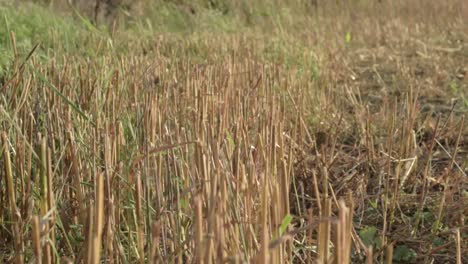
(285, 223)
(230, 140)
(454, 86)
(404, 254)
(348, 37)
(373, 204)
(368, 235)
(183, 203)
(87, 184)
(89, 26)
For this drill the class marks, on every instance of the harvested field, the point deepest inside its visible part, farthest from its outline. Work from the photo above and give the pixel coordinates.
(224, 132)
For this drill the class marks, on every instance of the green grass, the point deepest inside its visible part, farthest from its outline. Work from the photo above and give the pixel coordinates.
(33, 24)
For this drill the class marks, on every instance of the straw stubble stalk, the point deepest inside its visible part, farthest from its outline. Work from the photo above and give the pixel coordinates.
(50, 200)
(99, 218)
(324, 231)
(13, 44)
(89, 253)
(11, 193)
(389, 254)
(369, 255)
(44, 201)
(139, 219)
(458, 243)
(36, 239)
(96, 220)
(343, 247)
(156, 234)
(264, 254)
(199, 248)
(425, 180)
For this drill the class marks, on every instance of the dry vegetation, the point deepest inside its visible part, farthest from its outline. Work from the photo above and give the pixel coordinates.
(336, 135)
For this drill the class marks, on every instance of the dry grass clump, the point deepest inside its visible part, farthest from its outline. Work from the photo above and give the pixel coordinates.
(180, 148)
(154, 156)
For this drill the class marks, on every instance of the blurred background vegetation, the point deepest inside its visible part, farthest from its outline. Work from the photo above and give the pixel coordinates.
(76, 27)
